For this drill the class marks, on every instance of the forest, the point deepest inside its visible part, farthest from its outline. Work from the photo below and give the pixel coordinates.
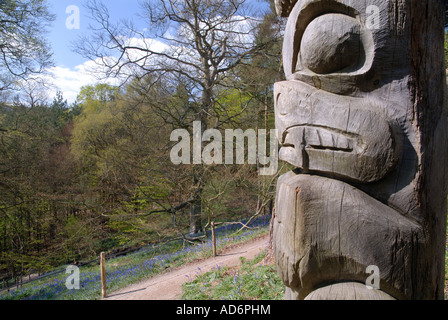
(95, 175)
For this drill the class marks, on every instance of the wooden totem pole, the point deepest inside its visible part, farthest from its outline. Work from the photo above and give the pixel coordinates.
(362, 116)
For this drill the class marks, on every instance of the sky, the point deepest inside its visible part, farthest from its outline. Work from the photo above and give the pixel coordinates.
(70, 72)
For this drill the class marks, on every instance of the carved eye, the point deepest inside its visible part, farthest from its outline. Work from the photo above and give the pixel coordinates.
(332, 43)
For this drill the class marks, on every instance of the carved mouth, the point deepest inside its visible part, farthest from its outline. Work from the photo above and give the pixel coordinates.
(319, 138)
(317, 148)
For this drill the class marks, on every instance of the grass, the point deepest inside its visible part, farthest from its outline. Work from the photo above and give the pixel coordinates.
(125, 270)
(252, 280)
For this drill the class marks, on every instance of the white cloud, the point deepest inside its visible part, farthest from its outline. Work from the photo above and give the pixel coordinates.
(70, 80)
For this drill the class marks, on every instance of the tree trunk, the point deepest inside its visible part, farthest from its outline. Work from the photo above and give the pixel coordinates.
(196, 217)
(196, 204)
(428, 89)
(198, 169)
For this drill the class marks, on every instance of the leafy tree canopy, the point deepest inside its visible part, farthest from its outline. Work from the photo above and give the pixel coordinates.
(24, 52)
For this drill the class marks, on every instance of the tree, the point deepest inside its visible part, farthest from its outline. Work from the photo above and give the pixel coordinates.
(256, 79)
(192, 43)
(36, 176)
(120, 145)
(24, 51)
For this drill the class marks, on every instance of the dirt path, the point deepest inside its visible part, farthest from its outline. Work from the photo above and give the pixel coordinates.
(167, 286)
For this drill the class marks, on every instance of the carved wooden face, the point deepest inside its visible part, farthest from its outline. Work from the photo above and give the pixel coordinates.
(340, 113)
(349, 118)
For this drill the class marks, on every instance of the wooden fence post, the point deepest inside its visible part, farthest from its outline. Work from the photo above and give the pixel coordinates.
(103, 274)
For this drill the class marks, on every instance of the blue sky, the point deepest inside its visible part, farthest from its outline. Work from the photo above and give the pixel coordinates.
(70, 71)
(61, 37)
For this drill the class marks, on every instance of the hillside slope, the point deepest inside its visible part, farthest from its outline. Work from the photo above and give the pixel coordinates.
(168, 286)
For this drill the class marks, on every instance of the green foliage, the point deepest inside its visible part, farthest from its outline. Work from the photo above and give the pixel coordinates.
(78, 179)
(120, 148)
(253, 280)
(231, 103)
(81, 238)
(34, 172)
(446, 49)
(25, 51)
(94, 98)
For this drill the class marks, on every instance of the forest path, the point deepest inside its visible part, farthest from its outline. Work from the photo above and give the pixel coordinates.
(168, 285)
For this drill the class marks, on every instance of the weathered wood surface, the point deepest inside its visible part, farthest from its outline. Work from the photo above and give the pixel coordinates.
(363, 118)
(103, 275)
(347, 291)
